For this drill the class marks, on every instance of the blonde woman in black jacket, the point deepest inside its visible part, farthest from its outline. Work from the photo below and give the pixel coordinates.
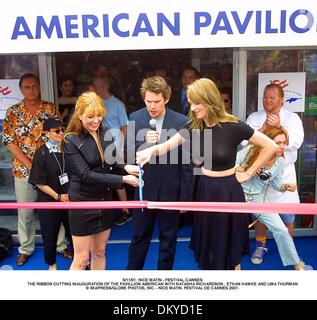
(94, 173)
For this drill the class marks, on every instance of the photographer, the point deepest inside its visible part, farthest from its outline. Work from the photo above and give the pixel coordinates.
(275, 115)
(256, 188)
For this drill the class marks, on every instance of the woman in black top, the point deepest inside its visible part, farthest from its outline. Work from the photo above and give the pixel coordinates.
(94, 173)
(219, 240)
(49, 174)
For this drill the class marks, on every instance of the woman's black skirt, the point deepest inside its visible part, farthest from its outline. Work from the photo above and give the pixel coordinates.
(86, 222)
(220, 240)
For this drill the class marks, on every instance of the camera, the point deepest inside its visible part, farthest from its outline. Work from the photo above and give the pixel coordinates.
(264, 174)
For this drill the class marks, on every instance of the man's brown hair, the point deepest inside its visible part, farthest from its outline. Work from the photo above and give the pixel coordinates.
(157, 85)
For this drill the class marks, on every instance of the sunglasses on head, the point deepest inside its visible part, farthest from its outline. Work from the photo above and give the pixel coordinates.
(57, 131)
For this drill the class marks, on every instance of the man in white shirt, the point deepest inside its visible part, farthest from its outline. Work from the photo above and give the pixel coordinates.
(274, 115)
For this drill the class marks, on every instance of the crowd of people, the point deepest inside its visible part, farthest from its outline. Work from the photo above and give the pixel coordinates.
(88, 149)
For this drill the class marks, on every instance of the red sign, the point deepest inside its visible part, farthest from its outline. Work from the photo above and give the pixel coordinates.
(5, 91)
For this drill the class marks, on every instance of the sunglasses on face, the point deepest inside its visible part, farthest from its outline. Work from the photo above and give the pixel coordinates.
(57, 131)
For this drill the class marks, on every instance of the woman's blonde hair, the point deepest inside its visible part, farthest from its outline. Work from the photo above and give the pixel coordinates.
(253, 154)
(204, 91)
(88, 102)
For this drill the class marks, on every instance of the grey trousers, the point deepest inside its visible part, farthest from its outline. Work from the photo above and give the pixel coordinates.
(26, 222)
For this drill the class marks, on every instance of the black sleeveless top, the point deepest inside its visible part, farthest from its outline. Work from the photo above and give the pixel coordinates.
(216, 147)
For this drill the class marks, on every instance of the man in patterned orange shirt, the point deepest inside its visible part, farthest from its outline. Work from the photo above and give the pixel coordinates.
(23, 134)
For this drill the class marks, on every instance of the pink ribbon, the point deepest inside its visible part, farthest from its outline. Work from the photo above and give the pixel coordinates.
(238, 207)
(233, 207)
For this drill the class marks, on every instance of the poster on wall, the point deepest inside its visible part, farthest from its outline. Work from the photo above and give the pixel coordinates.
(293, 84)
(10, 94)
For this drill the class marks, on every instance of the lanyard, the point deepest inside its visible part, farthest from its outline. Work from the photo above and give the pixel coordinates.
(59, 165)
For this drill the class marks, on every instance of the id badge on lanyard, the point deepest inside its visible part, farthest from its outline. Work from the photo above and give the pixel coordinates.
(63, 178)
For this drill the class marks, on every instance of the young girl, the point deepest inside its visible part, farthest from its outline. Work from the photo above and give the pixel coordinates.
(49, 174)
(255, 191)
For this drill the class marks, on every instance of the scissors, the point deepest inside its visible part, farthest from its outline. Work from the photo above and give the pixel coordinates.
(140, 185)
